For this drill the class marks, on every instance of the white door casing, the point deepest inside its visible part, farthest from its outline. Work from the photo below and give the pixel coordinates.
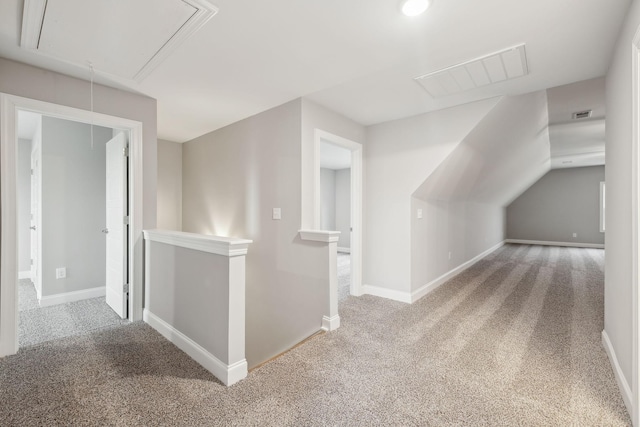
(116, 228)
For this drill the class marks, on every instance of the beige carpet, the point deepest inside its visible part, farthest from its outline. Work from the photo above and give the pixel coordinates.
(515, 340)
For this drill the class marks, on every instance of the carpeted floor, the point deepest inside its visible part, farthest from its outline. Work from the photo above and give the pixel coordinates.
(344, 276)
(514, 340)
(40, 324)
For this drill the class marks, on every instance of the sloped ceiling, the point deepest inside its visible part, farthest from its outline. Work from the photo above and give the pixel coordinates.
(358, 58)
(502, 156)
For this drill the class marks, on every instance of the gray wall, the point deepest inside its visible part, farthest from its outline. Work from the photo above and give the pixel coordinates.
(24, 205)
(73, 205)
(232, 179)
(189, 290)
(343, 207)
(563, 202)
(399, 156)
(169, 185)
(327, 199)
(618, 319)
(465, 198)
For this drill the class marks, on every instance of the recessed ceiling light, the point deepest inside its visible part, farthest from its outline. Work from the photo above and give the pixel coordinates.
(414, 7)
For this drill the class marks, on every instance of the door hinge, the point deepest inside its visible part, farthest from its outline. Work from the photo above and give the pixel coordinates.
(125, 219)
(125, 151)
(31, 172)
(31, 261)
(125, 288)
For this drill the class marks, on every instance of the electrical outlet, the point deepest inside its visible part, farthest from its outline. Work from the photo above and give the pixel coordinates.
(61, 273)
(575, 234)
(277, 213)
(419, 214)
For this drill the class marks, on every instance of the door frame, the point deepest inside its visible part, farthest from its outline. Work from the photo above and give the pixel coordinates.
(356, 199)
(9, 106)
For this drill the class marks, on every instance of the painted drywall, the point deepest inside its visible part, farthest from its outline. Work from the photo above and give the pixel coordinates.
(399, 156)
(343, 207)
(618, 317)
(327, 199)
(563, 202)
(463, 201)
(232, 179)
(169, 185)
(182, 278)
(73, 205)
(314, 117)
(24, 205)
(35, 83)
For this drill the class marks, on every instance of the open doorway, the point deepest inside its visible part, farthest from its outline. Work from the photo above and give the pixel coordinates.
(347, 169)
(10, 106)
(335, 206)
(72, 211)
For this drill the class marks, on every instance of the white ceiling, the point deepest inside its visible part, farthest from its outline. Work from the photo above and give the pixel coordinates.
(27, 124)
(358, 58)
(334, 157)
(577, 142)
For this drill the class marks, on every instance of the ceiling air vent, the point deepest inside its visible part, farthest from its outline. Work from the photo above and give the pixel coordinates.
(582, 114)
(490, 69)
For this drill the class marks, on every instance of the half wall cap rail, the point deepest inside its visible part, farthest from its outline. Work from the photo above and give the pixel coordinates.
(320, 235)
(226, 246)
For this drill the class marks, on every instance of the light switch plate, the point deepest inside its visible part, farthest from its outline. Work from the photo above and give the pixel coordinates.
(61, 273)
(277, 213)
(419, 215)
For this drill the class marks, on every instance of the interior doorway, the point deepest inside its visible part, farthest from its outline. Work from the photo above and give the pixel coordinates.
(77, 192)
(338, 162)
(335, 207)
(10, 106)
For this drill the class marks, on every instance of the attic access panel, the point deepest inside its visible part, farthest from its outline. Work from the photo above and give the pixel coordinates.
(490, 69)
(120, 37)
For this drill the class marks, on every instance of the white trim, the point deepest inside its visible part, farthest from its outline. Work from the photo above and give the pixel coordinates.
(9, 105)
(602, 206)
(356, 199)
(330, 323)
(549, 243)
(625, 390)
(65, 297)
(387, 293)
(32, 17)
(225, 246)
(228, 374)
(320, 235)
(24, 275)
(344, 250)
(434, 284)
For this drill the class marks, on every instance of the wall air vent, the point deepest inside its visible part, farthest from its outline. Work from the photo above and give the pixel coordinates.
(119, 37)
(490, 69)
(582, 114)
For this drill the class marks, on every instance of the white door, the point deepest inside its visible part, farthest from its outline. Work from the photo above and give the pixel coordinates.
(35, 212)
(116, 229)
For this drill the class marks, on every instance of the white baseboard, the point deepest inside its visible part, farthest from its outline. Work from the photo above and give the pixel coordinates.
(549, 243)
(49, 300)
(344, 250)
(330, 323)
(228, 374)
(387, 293)
(24, 275)
(623, 385)
(434, 284)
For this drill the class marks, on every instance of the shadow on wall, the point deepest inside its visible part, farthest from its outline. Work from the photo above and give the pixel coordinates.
(459, 212)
